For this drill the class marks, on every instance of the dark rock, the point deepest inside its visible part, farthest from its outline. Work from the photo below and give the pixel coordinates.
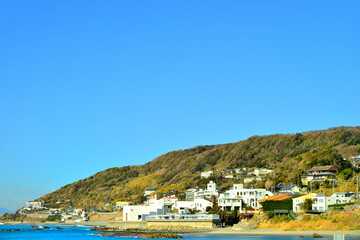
(316, 235)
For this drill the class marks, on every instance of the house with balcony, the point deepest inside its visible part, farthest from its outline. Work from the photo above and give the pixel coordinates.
(319, 173)
(238, 197)
(319, 203)
(208, 192)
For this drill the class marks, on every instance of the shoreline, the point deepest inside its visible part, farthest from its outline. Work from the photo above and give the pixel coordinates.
(216, 232)
(271, 232)
(90, 223)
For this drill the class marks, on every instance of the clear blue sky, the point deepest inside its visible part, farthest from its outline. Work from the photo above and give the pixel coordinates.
(89, 85)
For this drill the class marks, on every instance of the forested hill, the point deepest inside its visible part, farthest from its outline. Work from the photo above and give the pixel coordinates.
(288, 154)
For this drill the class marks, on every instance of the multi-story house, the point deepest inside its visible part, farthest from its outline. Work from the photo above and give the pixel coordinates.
(238, 196)
(319, 173)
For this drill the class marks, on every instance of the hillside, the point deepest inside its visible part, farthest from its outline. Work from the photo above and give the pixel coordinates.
(288, 154)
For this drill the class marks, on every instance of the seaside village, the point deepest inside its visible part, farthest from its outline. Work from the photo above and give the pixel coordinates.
(206, 208)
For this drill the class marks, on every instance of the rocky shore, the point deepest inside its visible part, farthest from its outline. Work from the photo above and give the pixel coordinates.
(145, 233)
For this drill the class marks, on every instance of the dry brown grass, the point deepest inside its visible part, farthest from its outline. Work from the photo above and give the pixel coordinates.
(334, 221)
(105, 217)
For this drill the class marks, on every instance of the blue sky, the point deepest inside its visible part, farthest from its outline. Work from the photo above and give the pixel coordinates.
(89, 85)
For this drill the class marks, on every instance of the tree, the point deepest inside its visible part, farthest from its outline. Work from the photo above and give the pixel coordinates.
(346, 174)
(308, 204)
(268, 184)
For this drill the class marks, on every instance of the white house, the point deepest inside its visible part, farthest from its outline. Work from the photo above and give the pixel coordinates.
(209, 191)
(149, 191)
(319, 203)
(141, 212)
(298, 203)
(262, 171)
(251, 179)
(198, 204)
(206, 174)
(249, 197)
(33, 205)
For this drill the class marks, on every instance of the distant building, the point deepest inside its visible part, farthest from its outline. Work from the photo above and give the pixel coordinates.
(206, 174)
(119, 205)
(355, 161)
(252, 179)
(33, 205)
(149, 191)
(262, 171)
(228, 171)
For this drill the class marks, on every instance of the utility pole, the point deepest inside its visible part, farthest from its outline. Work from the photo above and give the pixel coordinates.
(333, 185)
(357, 189)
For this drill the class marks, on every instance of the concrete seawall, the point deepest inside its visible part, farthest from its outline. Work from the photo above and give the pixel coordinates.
(126, 225)
(160, 224)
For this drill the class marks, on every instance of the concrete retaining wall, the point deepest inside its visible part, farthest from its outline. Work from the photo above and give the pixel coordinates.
(181, 223)
(126, 225)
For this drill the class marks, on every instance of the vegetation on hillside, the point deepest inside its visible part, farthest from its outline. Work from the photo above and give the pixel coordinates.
(290, 155)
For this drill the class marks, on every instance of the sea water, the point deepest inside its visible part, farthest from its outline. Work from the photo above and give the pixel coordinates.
(85, 233)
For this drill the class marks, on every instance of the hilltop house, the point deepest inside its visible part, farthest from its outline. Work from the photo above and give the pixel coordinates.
(355, 161)
(206, 174)
(252, 179)
(149, 191)
(319, 173)
(262, 171)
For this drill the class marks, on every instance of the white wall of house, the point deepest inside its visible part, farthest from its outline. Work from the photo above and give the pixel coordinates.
(199, 204)
(206, 174)
(248, 196)
(319, 203)
(141, 212)
(262, 171)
